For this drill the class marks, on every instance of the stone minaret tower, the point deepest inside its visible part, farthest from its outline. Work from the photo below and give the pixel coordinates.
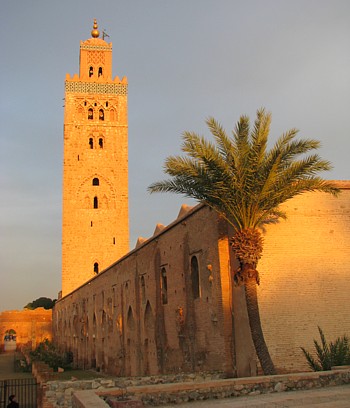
(95, 229)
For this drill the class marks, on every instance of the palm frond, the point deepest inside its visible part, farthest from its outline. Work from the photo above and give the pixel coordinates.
(239, 178)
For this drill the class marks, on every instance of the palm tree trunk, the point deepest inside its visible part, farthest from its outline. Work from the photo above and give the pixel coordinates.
(255, 327)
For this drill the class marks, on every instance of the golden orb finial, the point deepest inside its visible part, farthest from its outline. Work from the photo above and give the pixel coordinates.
(95, 33)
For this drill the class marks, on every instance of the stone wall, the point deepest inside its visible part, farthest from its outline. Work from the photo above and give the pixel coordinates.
(157, 310)
(155, 391)
(152, 313)
(31, 326)
(305, 276)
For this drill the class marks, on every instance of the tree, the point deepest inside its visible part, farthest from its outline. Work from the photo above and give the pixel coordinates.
(44, 302)
(245, 182)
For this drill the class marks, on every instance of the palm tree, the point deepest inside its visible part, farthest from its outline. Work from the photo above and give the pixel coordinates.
(245, 182)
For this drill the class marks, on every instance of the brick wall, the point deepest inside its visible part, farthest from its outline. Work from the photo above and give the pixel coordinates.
(31, 326)
(120, 323)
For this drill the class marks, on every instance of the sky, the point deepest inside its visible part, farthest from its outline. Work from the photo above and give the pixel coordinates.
(185, 60)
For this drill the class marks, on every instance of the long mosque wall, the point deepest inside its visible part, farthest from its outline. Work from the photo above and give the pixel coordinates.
(168, 306)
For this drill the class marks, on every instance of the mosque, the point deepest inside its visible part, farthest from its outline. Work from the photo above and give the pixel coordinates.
(170, 304)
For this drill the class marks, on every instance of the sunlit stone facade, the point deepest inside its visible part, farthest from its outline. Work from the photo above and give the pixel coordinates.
(169, 305)
(95, 228)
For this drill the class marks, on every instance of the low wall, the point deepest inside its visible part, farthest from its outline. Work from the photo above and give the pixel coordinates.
(177, 389)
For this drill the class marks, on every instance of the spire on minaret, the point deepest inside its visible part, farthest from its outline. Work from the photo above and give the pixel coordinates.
(94, 32)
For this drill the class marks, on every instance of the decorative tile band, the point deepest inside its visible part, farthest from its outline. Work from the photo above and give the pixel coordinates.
(96, 47)
(96, 88)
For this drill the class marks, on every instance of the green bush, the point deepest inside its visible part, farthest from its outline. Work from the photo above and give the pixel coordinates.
(47, 352)
(328, 354)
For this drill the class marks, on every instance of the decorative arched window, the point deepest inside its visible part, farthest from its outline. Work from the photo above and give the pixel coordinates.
(90, 114)
(96, 268)
(101, 115)
(100, 71)
(164, 286)
(95, 202)
(91, 143)
(100, 142)
(91, 72)
(95, 182)
(195, 277)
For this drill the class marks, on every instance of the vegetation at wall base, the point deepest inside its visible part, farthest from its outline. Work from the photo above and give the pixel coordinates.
(48, 353)
(330, 354)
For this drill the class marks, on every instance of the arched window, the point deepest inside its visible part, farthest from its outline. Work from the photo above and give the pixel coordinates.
(95, 182)
(101, 115)
(164, 286)
(100, 71)
(195, 277)
(91, 72)
(100, 142)
(95, 202)
(90, 114)
(91, 143)
(96, 268)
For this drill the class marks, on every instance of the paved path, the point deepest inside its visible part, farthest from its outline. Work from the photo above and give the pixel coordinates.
(7, 367)
(330, 397)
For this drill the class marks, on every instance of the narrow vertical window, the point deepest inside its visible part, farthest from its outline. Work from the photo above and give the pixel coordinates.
(95, 202)
(164, 286)
(195, 277)
(91, 143)
(95, 182)
(101, 115)
(99, 71)
(100, 142)
(90, 114)
(143, 290)
(113, 240)
(91, 72)
(96, 268)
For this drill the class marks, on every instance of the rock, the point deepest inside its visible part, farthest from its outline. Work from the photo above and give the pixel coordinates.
(279, 387)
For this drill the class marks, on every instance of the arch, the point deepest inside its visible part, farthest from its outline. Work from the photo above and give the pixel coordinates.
(95, 202)
(100, 70)
(101, 114)
(96, 268)
(95, 181)
(91, 143)
(100, 142)
(10, 340)
(149, 318)
(91, 71)
(195, 277)
(130, 321)
(90, 114)
(80, 112)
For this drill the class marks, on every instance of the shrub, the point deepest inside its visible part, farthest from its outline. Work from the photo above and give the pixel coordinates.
(47, 352)
(328, 354)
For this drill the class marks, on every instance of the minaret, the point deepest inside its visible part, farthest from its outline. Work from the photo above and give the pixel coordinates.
(95, 228)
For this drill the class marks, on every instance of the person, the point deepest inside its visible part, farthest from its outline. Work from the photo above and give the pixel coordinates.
(13, 403)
